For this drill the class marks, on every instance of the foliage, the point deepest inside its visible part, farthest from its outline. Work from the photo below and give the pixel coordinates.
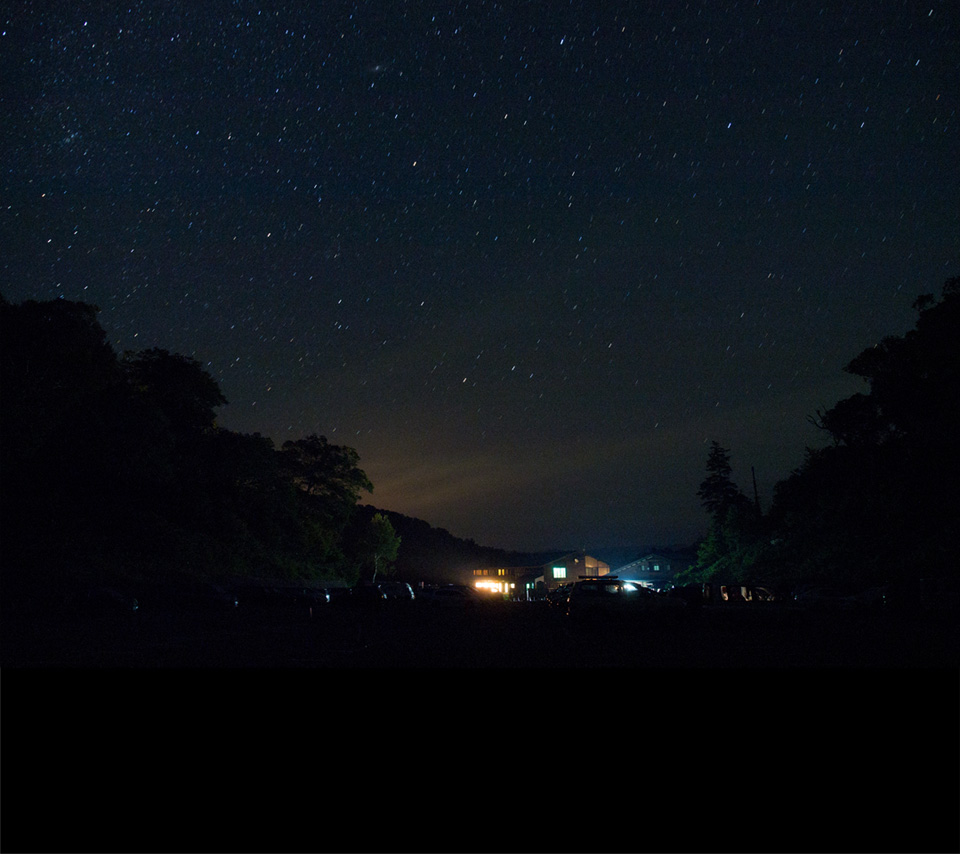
(328, 473)
(379, 545)
(718, 491)
(118, 466)
(879, 503)
(730, 550)
(185, 395)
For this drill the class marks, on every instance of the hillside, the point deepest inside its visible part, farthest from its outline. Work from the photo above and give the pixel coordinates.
(435, 555)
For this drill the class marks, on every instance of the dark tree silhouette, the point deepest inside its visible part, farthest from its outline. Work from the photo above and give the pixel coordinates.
(116, 467)
(329, 473)
(182, 391)
(880, 504)
(53, 355)
(718, 491)
(730, 550)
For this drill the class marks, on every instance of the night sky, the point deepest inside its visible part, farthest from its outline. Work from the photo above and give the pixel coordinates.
(528, 259)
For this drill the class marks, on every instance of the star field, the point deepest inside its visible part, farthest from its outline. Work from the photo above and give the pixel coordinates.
(528, 259)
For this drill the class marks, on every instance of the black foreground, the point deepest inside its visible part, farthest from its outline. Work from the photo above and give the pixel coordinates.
(492, 635)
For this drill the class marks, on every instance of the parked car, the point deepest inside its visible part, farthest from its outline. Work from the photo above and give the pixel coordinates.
(558, 596)
(735, 594)
(739, 594)
(366, 595)
(452, 596)
(281, 601)
(187, 597)
(397, 590)
(338, 595)
(609, 595)
(313, 598)
(692, 594)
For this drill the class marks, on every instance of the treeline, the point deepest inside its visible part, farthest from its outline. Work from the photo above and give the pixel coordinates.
(428, 553)
(435, 555)
(114, 466)
(879, 504)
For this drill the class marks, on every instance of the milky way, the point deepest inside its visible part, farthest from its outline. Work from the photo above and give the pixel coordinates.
(528, 259)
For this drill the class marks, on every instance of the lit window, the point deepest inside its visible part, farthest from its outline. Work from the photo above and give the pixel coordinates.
(559, 572)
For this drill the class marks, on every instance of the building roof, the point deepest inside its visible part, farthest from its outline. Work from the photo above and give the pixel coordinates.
(577, 555)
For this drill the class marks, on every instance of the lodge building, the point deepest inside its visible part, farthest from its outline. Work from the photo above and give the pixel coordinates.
(534, 582)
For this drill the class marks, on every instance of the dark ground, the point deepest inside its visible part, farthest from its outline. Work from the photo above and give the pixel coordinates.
(503, 635)
(753, 729)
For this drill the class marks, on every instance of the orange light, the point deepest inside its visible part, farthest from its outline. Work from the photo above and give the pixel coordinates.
(490, 586)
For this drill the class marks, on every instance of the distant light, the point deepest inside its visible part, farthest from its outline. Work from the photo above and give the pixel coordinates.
(490, 586)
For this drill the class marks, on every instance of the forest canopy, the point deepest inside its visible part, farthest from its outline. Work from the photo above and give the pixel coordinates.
(878, 504)
(115, 465)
